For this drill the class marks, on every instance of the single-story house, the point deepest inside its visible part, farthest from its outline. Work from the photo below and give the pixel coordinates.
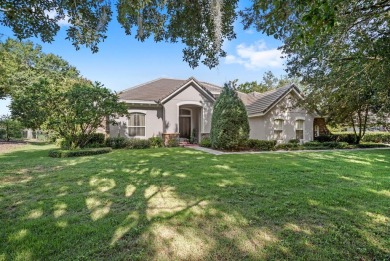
(172, 108)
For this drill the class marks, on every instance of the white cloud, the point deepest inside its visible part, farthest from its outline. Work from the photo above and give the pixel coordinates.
(63, 22)
(256, 56)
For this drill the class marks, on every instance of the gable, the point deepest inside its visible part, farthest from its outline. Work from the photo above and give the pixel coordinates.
(188, 91)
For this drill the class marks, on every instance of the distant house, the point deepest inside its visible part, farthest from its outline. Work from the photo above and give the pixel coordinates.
(172, 108)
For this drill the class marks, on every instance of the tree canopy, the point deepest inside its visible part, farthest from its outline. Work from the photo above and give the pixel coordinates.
(24, 63)
(202, 25)
(269, 82)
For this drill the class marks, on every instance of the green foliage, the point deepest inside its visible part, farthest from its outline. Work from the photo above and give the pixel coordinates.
(78, 153)
(338, 48)
(312, 145)
(261, 145)
(156, 142)
(170, 21)
(367, 145)
(229, 124)
(294, 141)
(137, 144)
(74, 110)
(269, 82)
(173, 143)
(10, 128)
(377, 137)
(288, 146)
(205, 142)
(23, 63)
(116, 142)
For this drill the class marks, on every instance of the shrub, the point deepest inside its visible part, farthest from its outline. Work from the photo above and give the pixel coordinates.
(78, 153)
(229, 124)
(378, 137)
(371, 145)
(263, 145)
(173, 143)
(63, 144)
(156, 142)
(323, 138)
(116, 142)
(137, 144)
(335, 145)
(311, 144)
(288, 146)
(96, 138)
(294, 141)
(205, 142)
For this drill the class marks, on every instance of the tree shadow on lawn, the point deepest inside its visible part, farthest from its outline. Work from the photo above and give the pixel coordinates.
(185, 204)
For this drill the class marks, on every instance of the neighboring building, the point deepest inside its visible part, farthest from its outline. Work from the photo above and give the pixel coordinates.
(173, 108)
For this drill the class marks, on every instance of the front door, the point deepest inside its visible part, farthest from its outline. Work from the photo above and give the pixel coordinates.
(185, 127)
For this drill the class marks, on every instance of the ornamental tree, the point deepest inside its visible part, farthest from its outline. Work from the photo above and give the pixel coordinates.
(229, 124)
(74, 111)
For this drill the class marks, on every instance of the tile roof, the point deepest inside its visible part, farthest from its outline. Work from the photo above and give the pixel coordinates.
(265, 100)
(161, 88)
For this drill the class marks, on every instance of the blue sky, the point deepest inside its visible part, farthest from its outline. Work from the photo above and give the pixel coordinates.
(123, 62)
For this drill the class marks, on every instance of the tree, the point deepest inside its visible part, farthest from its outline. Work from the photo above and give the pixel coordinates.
(74, 111)
(10, 128)
(338, 48)
(169, 21)
(229, 123)
(269, 82)
(24, 63)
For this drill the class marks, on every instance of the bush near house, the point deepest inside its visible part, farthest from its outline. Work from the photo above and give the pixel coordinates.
(137, 144)
(116, 142)
(229, 123)
(78, 152)
(261, 145)
(205, 142)
(156, 142)
(377, 137)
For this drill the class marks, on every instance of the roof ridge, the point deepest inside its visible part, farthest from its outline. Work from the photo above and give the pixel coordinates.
(212, 84)
(145, 83)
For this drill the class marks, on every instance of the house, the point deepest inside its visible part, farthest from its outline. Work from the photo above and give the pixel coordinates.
(172, 108)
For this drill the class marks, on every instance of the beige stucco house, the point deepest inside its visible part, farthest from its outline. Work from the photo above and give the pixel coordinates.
(172, 108)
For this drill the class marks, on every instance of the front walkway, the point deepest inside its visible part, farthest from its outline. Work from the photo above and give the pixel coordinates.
(217, 152)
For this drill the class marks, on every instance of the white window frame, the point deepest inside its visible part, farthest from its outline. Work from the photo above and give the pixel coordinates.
(316, 130)
(129, 126)
(278, 130)
(303, 128)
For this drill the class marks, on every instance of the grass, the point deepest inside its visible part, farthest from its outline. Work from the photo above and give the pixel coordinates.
(175, 203)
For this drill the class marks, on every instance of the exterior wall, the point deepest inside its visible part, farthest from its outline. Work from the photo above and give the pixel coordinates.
(153, 123)
(262, 127)
(189, 96)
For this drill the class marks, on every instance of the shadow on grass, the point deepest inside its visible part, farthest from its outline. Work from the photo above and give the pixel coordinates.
(184, 204)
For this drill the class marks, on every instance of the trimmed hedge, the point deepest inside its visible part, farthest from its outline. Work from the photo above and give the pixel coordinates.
(137, 144)
(371, 145)
(116, 142)
(288, 146)
(377, 137)
(261, 145)
(78, 153)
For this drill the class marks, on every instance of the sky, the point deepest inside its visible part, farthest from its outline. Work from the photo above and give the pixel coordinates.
(123, 61)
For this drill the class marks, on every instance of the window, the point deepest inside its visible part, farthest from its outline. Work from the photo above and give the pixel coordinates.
(185, 112)
(278, 129)
(316, 131)
(299, 129)
(137, 124)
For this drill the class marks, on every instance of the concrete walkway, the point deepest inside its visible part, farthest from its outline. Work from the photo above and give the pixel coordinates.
(217, 152)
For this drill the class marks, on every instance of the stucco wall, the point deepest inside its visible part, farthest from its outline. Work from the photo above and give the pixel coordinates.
(153, 123)
(262, 127)
(189, 96)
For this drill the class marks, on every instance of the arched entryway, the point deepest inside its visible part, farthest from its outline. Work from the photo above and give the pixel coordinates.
(190, 124)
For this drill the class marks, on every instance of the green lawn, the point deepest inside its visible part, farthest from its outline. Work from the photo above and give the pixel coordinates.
(164, 204)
